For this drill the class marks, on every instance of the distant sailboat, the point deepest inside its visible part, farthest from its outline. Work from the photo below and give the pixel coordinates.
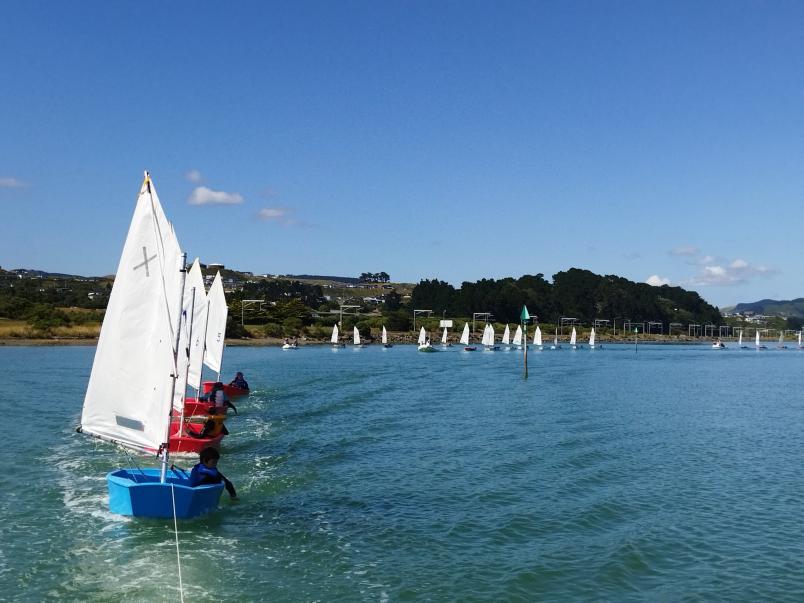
(555, 345)
(757, 344)
(465, 339)
(506, 338)
(718, 345)
(385, 343)
(444, 342)
(781, 344)
(356, 338)
(592, 339)
(573, 339)
(334, 339)
(518, 337)
(424, 342)
(537, 338)
(488, 339)
(799, 339)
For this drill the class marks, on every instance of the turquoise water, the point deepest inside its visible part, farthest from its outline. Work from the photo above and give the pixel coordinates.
(674, 473)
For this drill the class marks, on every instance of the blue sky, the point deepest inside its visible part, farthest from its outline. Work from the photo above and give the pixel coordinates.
(458, 140)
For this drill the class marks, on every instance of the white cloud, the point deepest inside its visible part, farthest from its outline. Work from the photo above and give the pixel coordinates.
(202, 195)
(736, 272)
(657, 281)
(272, 213)
(685, 250)
(193, 176)
(11, 183)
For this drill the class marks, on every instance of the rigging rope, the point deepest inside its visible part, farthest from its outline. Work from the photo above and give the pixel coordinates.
(176, 530)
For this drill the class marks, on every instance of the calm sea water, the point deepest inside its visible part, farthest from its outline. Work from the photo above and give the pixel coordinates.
(674, 473)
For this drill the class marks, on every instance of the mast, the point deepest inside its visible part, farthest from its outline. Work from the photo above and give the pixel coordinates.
(206, 324)
(187, 352)
(166, 443)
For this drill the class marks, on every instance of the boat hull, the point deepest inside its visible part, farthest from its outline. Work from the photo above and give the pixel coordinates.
(187, 444)
(230, 390)
(138, 493)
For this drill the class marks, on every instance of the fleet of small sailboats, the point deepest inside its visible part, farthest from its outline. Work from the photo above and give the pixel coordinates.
(151, 348)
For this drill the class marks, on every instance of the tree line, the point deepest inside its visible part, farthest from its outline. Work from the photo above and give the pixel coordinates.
(573, 293)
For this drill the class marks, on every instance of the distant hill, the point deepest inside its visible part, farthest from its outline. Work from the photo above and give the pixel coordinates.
(318, 277)
(772, 307)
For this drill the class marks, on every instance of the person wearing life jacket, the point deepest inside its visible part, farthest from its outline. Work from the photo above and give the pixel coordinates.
(218, 398)
(206, 471)
(239, 380)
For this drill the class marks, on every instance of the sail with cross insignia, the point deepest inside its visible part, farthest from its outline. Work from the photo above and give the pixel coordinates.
(130, 390)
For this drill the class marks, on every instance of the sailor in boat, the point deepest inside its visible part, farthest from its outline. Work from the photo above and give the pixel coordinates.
(239, 381)
(206, 471)
(219, 400)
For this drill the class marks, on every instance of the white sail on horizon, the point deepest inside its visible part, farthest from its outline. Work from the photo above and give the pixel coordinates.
(592, 338)
(334, 338)
(384, 335)
(217, 313)
(444, 336)
(465, 335)
(506, 338)
(518, 336)
(537, 336)
(422, 337)
(757, 339)
(131, 385)
(573, 336)
(355, 336)
(740, 339)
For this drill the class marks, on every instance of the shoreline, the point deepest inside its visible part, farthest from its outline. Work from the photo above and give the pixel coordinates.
(277, 341)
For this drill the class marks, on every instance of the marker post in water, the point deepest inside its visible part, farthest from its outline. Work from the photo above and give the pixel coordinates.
(523, 318)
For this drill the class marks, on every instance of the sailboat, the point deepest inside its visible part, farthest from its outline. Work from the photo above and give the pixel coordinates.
(718, 345)
(517, 342)
(217, 313)
(757, 344)
(136, 374)
(444, 342)
(356, 338)
(781, 344)
(488, 339)
(506, 338)
(592, 339)
(555, 345)
(334, 339)
(465, 339)
(573, 339)
(537, 338)
(385, 343)
(424, 342)
(799, 340)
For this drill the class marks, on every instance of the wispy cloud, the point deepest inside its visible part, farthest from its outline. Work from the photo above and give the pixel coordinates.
(736, 272)
(193, 176)
(657, 281)
(281, 215)
(202, 195)
(11, 183)
(685, 250)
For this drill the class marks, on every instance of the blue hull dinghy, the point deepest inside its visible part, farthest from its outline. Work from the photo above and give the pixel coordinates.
(139, 493)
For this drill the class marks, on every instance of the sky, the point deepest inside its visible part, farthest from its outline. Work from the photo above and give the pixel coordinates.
(458, 140)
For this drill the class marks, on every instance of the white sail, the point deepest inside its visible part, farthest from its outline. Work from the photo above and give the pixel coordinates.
(537, 336)
(334, 338)
(131, 384)
(218, 312)
(355, 336)
(489, 336)
(740, 339)
(799, 338)
(592, 338)
(757, 339)
(465, 334)
(781, 338)
(573, 336)
(195, 281)
(506, 338)
(518, 335)
(555, 340)
(422, 337)
(444, 336)
(384, 335)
